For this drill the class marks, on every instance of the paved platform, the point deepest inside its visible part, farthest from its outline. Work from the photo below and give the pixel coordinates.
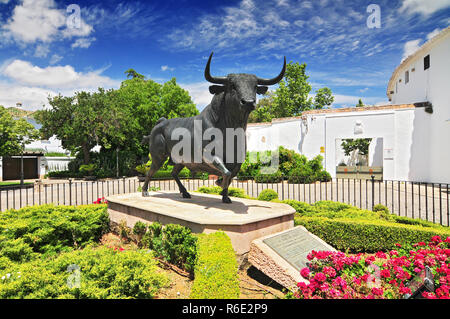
(243, 220)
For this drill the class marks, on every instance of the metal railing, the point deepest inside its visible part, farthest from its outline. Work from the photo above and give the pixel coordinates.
(427, 201)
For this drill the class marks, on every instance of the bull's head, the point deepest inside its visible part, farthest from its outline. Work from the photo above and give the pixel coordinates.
(241, 89)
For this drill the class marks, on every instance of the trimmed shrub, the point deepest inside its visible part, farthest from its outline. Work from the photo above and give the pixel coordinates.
(217, 190)
(174, 243)
(216, 269)
(380, 208)
(358, 235)
(276, 177)
(302, 175)
(50, 229)
(268, 195)
(94, 273)
(323, 176)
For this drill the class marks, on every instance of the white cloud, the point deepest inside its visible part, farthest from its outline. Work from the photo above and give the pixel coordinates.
(349, 100)
(83, 43)
(411, 47)
(166, 67)
(423, 7)
(41, 20)
(25, 73)
(199, 93)
(434, 33)
(55, 59)
(41, 51)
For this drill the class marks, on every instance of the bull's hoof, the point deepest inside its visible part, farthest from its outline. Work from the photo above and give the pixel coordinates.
(186, 195)
(226, 200)
(145, 194)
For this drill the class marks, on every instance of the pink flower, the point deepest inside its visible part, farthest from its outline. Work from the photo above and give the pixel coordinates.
(329, 271)
(385, 273)
(305, 272)
(404, 290)
(380, 254)
(377, 291)
(320, 277)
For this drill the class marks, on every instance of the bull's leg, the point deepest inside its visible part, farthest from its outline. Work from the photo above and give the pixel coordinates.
(226, 175)
(176, 170)
(156, 165)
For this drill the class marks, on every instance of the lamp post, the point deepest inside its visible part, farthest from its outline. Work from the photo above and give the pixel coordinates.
(21, 166)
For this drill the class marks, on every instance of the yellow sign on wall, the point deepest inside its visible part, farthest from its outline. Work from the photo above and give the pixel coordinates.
(322, 149)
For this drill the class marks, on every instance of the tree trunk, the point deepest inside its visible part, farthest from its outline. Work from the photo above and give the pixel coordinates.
(86, 154)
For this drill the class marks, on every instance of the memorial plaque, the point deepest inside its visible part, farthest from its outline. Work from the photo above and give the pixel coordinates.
(295, 245)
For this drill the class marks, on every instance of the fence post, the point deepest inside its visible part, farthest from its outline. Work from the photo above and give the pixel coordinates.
(373, 190)
(70, 192)
(123, 177)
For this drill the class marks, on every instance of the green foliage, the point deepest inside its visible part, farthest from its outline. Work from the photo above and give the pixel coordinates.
(64, 174)
(50, 229)
(89, 168)
(360, 103)
(309, 172)
(292, 96)
(291, 164)
(14, 134)
(217, 190)
(142, 169)
(268, 195)
(216, 269)
(115, 120)
(103, 274)
(174, 243)
(359, 235)
(358, 144)
(276, 177)
(358, 230)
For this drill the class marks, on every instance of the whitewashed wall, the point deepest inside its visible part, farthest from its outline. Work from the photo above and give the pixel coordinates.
(400, 139)
(431, 135)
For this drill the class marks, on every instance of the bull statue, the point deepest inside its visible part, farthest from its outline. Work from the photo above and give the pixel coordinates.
(234, 99)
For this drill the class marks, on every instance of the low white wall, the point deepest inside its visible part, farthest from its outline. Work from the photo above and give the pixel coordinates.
(56, 163)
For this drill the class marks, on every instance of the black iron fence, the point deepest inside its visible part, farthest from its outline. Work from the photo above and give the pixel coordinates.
(427, 201)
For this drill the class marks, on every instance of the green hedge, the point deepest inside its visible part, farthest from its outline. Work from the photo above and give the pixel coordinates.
(216, 269)
(50, 229)
(216, 190)
(172, 242)
(102, 272)
(358, 235)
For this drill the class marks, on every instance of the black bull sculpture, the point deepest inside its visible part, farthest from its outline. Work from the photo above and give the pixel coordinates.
(234, 99)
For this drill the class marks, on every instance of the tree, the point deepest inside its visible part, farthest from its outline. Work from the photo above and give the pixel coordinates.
(114, 119)
(80, 122)
(361, 145)
(14, 134)
(263, 111)
(292, 96)
(133, 74)
(360, 103)
(324, 97)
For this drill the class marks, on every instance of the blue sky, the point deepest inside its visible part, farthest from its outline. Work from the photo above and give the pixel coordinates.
(44, 51)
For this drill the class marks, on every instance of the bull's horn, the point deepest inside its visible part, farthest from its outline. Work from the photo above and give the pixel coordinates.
(274, 80)
(209, 78)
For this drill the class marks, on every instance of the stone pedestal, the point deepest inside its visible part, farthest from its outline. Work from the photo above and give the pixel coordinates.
(243, 220)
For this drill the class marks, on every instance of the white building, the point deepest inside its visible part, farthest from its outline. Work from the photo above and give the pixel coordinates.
(410, 138)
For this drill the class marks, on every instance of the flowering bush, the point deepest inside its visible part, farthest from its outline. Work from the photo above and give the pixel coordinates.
(101, 200)
(336, 275)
